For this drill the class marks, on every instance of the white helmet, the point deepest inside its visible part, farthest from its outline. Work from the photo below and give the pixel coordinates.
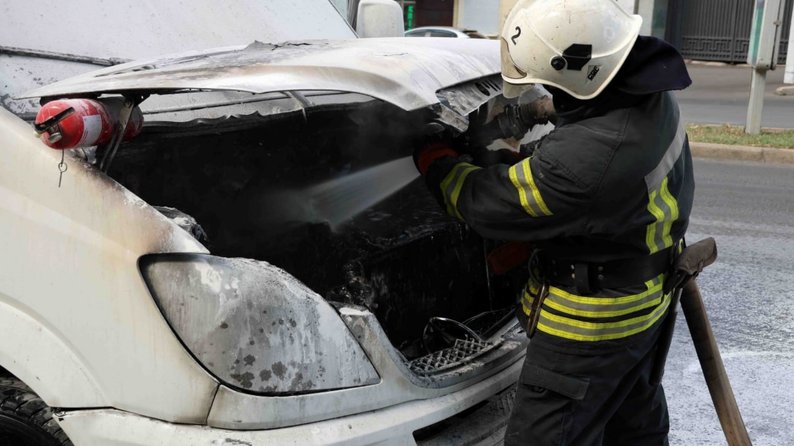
(575, 45)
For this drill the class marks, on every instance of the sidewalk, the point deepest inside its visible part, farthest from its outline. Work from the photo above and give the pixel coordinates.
(719, 95)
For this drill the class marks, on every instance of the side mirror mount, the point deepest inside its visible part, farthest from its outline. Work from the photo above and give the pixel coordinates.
(380, 18)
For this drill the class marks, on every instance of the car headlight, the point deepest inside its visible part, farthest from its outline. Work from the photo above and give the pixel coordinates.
(254, 326)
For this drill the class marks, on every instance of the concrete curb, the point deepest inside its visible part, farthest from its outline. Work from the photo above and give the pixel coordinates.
(786, 90)
(742, 153)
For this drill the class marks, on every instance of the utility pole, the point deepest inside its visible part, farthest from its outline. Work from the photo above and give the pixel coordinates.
(789, 76)
(762, 56)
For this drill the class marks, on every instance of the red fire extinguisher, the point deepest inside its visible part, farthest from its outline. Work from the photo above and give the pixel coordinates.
(71, 123)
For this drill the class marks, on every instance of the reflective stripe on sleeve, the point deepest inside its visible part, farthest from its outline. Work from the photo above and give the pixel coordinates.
(664, 208)
(671, 155)
(661, 203)
(528, 193)
(453, 184)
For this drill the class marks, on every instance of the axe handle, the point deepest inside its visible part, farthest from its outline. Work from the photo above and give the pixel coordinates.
(713, 368)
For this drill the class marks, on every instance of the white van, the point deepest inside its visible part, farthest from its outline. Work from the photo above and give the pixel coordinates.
(223, 279)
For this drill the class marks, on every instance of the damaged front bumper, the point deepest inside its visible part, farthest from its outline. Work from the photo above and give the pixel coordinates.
(398, 385)
(247, 321)
(402, 424)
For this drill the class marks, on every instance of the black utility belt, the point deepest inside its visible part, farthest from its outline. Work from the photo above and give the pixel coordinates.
(591, 276)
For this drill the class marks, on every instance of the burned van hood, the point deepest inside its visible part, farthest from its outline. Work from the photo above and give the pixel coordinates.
(406, 72)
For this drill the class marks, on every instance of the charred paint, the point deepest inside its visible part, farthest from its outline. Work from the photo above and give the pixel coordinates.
(245, 344)
(279, 370)
(245, 379)
(235, 442)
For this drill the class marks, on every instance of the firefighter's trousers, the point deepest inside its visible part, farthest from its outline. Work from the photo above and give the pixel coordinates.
(589, 394)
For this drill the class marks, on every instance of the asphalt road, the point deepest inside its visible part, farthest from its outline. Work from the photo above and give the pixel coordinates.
(749, 293)
(720, 94)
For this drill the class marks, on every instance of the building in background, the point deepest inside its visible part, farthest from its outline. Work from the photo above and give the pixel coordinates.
(485, 16)
(717, 30)
(481, 15)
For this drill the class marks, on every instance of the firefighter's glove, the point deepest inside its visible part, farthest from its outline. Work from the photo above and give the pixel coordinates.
(427, 154)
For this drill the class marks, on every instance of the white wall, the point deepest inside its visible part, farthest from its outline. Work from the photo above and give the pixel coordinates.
(482, 15)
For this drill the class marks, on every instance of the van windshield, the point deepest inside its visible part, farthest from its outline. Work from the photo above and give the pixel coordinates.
(35, 49)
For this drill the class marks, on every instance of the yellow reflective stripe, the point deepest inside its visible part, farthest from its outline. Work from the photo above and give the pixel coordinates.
(650, 236)
(658, 235)
(522, 194)
(528, 193)
(528, 297)
(601, 313)
(594, 325)
(452, 185)
(672, 203)
(605, 300)
(457, 189)
(595, 307)
(533, 286)
(535, 192)
(526, 301)
(451, 175)
(447, 180)
(594, 331)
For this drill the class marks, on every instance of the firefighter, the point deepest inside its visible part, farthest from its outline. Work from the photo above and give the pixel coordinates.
(605, 198)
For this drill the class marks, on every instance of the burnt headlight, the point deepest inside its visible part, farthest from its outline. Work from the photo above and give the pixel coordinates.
(254, 326)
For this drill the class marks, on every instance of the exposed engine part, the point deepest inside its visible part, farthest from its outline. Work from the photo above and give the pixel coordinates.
(404, 259)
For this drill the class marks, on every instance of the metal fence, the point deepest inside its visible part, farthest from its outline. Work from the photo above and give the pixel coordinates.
(717, 30)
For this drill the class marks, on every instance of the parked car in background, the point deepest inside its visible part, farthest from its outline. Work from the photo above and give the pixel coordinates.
(444, 31)
(212, 282)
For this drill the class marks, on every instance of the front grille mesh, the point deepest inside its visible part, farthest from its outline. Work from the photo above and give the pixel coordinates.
(464, 350)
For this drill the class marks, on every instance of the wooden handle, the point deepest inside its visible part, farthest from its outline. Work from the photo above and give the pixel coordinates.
(713, 368)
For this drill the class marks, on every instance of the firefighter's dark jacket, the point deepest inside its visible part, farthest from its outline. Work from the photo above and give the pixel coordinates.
(613, 181)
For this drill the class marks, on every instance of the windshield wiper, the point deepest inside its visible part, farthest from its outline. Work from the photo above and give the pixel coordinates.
(42, 54)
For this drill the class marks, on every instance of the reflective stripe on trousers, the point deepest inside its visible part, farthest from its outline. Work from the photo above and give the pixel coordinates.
(591, 319)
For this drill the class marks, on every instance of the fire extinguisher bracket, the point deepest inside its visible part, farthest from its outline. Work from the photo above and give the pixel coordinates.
(130, 102)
